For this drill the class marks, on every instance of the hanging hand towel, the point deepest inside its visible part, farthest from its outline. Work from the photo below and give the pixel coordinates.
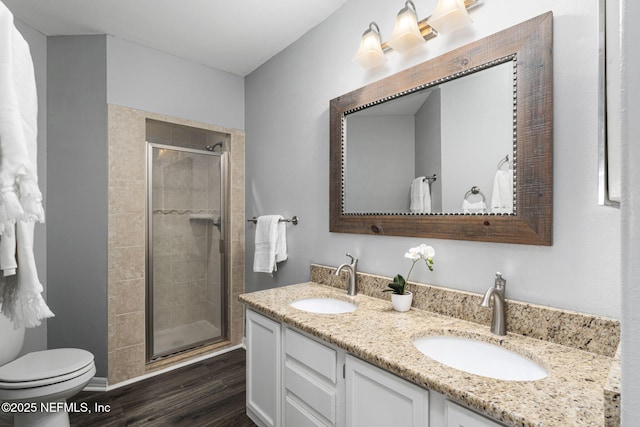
(420, 196)
(473, 207)
(270, 244)
(502, 196)
(417, 195)
(426, 196)
(20, 197)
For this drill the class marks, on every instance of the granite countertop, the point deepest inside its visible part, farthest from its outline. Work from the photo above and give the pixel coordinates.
(571, 395)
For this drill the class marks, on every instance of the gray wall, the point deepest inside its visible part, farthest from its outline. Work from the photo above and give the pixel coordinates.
(471, 153)
(77, 194)
(377, 142)
(428, 146)
(84, 74)
(150, 80)
(287, 130)
(36, 338)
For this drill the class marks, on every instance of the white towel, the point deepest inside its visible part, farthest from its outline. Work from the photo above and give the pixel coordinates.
(473, 207)
(20, 197)
(420, 196)
(8, 262)
(270, 243)
(502, 196)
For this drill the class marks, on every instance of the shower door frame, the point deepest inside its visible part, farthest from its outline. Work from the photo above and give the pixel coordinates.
(224, 247)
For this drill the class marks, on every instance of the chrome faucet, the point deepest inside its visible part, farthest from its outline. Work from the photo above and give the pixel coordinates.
(353, 270)
(498, 322)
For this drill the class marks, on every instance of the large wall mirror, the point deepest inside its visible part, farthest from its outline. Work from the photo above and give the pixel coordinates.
(458, 147)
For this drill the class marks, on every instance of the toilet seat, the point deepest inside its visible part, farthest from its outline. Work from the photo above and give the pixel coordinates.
(44, 368)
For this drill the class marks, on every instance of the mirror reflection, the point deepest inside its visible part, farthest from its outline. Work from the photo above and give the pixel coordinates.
(448, 148)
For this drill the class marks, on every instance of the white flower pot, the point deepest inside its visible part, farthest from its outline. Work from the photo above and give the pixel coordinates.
(402, 302)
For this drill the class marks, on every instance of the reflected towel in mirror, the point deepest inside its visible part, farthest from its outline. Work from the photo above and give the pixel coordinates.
(474, 207)
(502, 196)
(420, 196)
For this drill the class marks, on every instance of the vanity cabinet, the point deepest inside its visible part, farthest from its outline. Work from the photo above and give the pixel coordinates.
(295, 380)
(375, 397)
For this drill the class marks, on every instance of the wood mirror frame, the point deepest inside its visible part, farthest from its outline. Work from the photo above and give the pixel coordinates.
(530, 44)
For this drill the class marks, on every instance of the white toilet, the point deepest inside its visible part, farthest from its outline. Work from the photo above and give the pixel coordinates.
(40, 379)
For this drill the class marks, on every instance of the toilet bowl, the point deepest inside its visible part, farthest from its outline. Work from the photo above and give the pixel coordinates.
(35, 387)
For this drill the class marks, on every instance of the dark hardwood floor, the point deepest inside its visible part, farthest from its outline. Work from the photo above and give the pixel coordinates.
(207, 393)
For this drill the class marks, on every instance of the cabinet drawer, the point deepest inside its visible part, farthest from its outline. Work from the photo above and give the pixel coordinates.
(296, 415)
(312, 354)
(313, 393)
(459, 416)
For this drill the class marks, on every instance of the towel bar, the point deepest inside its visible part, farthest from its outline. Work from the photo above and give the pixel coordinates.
(430, 179)
(293, 220)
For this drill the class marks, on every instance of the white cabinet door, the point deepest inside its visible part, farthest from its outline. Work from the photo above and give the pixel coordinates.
(263, 370)
(376, 398)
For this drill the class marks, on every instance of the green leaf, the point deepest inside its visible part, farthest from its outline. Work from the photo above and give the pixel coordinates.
(399, 280)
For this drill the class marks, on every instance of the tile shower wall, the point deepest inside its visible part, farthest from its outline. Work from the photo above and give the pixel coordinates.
(126, 244)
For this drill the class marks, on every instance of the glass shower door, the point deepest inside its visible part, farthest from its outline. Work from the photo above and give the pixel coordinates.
(186, 291)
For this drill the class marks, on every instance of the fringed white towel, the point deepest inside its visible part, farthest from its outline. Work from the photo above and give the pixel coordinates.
(270, 243)
(20, 197)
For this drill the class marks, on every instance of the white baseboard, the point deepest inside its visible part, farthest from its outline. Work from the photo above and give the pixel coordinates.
(101, 383)
(96, 384)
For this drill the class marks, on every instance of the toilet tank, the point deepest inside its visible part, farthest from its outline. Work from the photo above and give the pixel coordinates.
(11, 339)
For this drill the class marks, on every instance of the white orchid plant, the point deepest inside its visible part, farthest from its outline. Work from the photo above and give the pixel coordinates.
(422, 252)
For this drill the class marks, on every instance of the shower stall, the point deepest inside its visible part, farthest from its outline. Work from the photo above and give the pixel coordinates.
(187, 194)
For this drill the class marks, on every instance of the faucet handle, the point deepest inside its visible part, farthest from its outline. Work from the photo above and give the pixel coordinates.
(501, 282)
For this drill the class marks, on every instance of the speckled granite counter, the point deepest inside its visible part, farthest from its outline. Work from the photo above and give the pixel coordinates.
(572, 394)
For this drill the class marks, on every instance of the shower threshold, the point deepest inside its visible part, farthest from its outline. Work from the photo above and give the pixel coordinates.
(184, 337)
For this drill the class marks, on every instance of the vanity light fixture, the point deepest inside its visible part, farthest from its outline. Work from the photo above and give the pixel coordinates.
(408, 33)
(370, 53)
(449, 16)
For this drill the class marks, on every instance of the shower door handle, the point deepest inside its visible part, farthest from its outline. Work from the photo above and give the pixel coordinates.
(221, 248)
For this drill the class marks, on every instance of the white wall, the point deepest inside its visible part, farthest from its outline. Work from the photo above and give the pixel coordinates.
(630, 213)
(147, 79)
(287, 128)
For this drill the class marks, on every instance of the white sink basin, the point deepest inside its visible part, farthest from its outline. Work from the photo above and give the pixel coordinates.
(323, 305)
(480, 358)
